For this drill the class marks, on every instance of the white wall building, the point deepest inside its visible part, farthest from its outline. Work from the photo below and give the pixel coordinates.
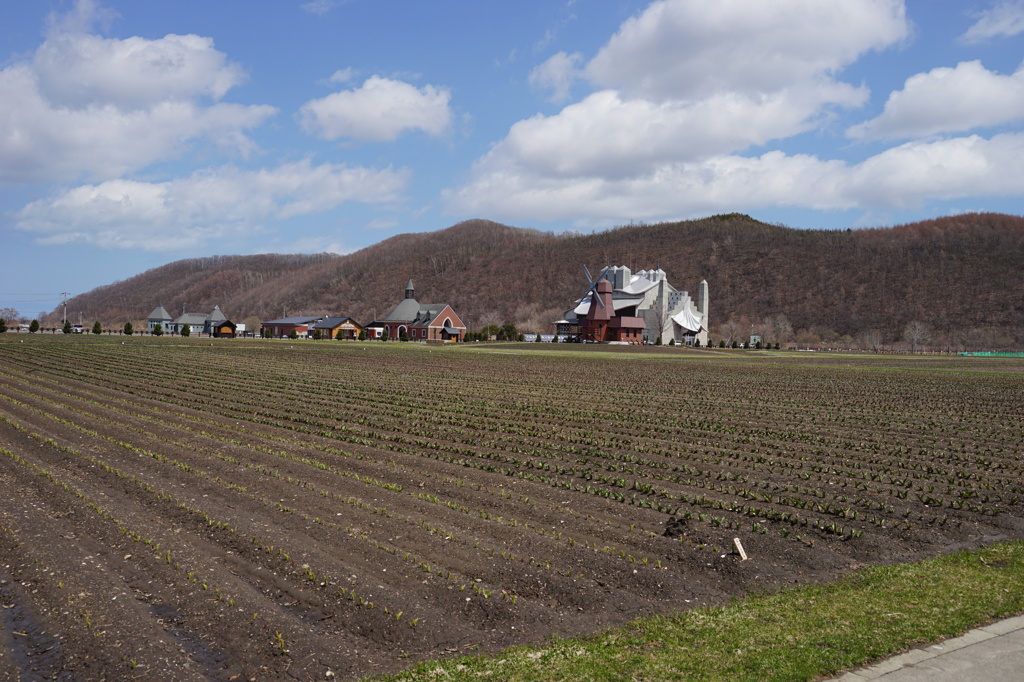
(668, 313)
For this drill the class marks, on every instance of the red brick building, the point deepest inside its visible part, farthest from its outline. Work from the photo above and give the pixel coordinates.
(421, 321)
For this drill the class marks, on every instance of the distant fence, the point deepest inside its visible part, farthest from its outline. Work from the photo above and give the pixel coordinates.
(989, 354)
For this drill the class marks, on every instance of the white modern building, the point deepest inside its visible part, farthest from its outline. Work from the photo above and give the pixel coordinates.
(667, 313)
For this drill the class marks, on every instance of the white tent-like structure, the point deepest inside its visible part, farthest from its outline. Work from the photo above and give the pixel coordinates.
(668, 313)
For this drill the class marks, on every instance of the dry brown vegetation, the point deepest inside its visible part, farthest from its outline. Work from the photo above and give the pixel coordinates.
(959, 275)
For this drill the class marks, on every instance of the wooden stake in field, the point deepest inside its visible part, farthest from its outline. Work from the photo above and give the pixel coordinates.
(739, 549)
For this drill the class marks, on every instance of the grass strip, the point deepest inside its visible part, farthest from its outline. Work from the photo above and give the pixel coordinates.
(801, 633)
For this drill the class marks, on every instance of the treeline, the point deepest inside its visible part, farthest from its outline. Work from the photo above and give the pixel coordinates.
(959, 276)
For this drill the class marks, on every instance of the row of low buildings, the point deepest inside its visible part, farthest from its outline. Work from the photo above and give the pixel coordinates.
(409, 319)
(619, 307)
(214, 323)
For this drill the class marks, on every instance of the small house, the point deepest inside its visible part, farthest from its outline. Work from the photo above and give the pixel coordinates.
(302, 325)
(338, 327)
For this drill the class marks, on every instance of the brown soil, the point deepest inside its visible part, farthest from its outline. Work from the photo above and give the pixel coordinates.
(263, 511)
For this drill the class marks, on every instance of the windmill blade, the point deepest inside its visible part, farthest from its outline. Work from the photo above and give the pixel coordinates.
(593, 287)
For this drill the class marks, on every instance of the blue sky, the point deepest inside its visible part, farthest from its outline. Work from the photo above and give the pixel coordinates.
(133, 134)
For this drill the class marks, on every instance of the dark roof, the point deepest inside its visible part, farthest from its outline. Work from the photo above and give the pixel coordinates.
(428, 313)
(217, 315)
(192, 319)
(160, 313)
(406, 311)
(332, 322)
(298, 320)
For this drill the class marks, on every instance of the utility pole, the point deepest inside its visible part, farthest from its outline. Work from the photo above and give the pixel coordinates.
(65, 294)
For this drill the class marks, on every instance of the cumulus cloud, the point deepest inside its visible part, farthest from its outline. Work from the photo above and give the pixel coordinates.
(608, 136)
(948, 100)
(80, 70)
(1003, 20)
(380, 110)
(188, 211)
(681, 89)
(557, 74)
(690, 49)
(902, 177)
(86, 105)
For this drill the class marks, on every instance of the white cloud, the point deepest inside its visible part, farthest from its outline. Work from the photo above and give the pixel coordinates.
(343, 75)
(85, 105)
(1004, 19)
(380, 110)
(684, 85)
(946, 100)
(902, 177)
(319, 7)
(557, 74)
(689, 49)
(188, 211)
(79, 70)
(81, 18)
(607, 136)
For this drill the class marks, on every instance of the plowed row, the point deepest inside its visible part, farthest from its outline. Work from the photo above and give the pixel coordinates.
(181, 509)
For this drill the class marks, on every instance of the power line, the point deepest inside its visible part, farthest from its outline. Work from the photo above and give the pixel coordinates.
(3, 293)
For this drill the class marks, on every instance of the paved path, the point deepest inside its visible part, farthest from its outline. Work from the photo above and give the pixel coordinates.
(994, 653)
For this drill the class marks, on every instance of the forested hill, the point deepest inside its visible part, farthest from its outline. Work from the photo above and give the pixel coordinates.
(961, 275)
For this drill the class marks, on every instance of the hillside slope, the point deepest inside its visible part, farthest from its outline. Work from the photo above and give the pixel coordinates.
(961, 275)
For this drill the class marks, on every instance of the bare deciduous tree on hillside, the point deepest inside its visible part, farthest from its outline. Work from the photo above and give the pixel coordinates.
(916, 333)
(490, 319)
(778, 328)
(732, 330)
(869, 339)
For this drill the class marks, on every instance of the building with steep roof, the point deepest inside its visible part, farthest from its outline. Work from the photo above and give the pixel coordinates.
(421, 321)
(633, 308)
(214, 323)
(161, 317)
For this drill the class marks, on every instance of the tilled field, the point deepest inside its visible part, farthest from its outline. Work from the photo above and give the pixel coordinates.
(188, 509)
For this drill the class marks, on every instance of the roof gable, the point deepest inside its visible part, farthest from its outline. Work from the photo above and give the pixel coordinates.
(160, 313)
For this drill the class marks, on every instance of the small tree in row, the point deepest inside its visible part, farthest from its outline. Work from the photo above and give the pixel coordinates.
(128, 329)
(97, 328)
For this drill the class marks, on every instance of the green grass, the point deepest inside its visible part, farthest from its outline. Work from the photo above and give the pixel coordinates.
(802, 633)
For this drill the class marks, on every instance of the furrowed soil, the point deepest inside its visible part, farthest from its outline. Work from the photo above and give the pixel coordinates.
(191, 509)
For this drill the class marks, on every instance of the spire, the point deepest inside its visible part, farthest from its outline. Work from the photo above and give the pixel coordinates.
(410, 290)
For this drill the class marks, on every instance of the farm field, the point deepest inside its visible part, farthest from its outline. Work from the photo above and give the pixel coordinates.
(185, 509)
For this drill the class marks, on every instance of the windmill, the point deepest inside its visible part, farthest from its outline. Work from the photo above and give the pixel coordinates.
(594, 324)
(593, 287)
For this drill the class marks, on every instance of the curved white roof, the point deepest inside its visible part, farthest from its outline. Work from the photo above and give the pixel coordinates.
(687, 320)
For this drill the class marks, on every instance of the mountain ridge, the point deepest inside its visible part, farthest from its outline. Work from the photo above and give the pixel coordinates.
(961, 275)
